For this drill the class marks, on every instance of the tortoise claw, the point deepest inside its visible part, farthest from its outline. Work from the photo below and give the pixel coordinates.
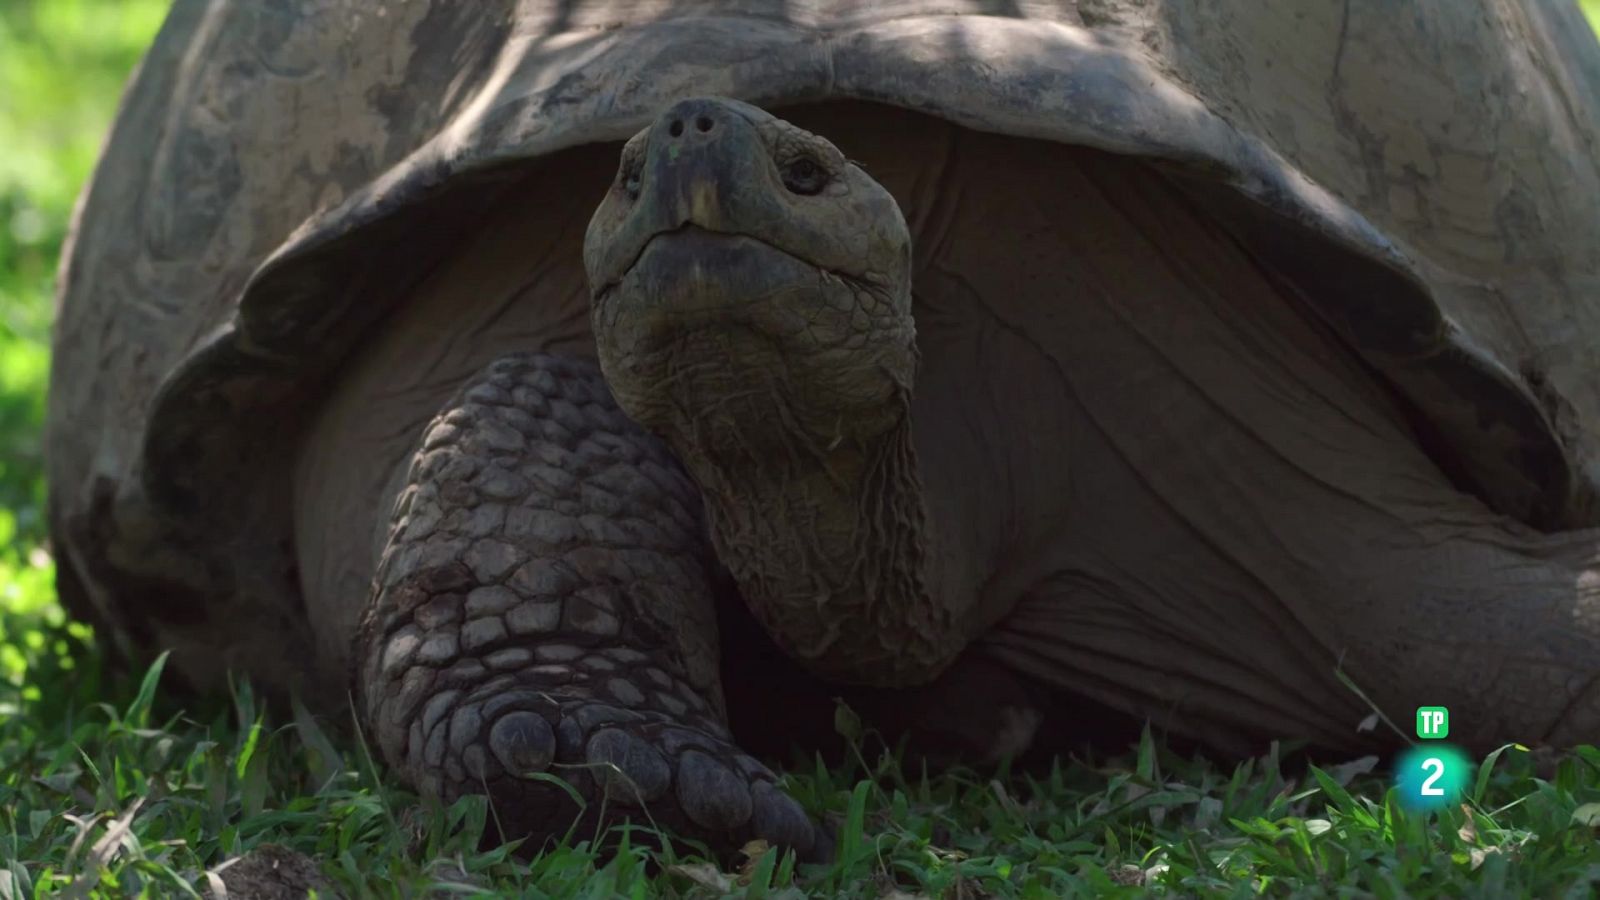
(643, 766)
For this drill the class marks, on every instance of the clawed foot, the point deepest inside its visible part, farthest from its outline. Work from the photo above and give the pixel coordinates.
(624, 763)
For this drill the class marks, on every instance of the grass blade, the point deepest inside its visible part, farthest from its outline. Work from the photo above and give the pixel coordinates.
(138, 714)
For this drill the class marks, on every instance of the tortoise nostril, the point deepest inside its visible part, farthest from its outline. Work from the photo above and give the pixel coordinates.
(676, 129)
(703, 123)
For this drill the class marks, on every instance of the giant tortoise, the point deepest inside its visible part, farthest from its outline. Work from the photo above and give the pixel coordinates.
(1185, 358)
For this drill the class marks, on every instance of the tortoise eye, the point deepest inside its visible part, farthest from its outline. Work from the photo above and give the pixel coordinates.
(630, 175)
(802, 175)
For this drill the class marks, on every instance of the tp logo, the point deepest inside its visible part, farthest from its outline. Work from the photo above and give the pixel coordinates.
(1433, 723)
(1432, 776)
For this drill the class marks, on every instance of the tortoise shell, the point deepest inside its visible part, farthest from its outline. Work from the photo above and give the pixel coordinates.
(280, 173)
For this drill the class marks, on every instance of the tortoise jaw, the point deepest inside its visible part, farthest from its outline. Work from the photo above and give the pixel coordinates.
(687, 272)
(702, 317)
(704, 314)
(710, 167)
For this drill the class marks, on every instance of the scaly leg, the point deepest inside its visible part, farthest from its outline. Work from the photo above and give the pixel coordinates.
(543, 604)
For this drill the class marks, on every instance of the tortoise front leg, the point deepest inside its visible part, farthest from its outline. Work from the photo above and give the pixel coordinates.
(543, 604)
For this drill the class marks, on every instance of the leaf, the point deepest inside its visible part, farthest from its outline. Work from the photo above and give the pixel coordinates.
(138, 714)
(102, 851)
(1487, 767)
(1351, 686)
(845, 721)
(61, 782)
(324, 759)
(1207, 813)
(705, 875)
(756, 873)
(1145, 764)
(242, 764)
(565, 787)
(1479, 854)
(1344, 773)
(1127, 875)
(1004, 797)
(1335, 791)
(1587, 814)
(1368, 724)
(1589, 754)
(853, 835)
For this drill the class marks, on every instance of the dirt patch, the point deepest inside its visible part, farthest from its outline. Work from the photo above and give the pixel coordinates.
(269, 872)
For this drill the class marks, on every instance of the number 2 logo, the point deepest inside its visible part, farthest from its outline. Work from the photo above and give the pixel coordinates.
(1436, 765)
(1429, 777)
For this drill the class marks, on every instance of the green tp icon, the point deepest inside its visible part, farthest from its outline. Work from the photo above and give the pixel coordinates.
(1433, 722)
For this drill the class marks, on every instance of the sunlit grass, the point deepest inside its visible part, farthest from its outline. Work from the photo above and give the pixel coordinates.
(129, 796)
(62, 65)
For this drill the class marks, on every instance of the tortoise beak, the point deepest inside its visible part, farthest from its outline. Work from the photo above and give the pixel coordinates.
(705, 166)
(701, 153)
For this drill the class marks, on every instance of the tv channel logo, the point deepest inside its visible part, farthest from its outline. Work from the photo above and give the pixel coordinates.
(1432, 776)
(1433, 723)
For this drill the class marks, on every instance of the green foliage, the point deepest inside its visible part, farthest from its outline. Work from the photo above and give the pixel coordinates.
(62, 64)
(126, 800)
(106, 790)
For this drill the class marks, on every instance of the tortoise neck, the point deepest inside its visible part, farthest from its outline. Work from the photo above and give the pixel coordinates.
(829, 550)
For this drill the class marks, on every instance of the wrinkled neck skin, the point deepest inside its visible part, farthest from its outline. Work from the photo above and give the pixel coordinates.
(829, 543)
(790, 405)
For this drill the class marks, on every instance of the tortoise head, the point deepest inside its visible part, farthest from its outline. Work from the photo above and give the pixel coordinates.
(749, 281)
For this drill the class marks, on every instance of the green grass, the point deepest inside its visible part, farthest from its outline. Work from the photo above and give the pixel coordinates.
(107, 790)
(62, 64)
(111, 800)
